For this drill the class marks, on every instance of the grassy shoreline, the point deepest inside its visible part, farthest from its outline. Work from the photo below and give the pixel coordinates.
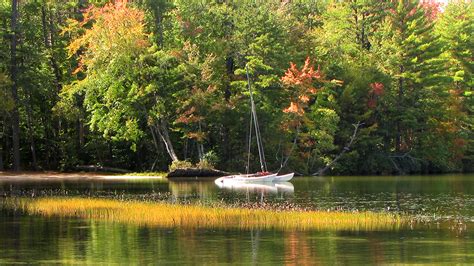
(195, 216)
(53, 175)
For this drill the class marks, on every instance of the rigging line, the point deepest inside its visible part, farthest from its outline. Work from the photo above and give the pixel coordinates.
(284, 163)
(255, 120)
(277, 158)
(249, 143)
(261, 144)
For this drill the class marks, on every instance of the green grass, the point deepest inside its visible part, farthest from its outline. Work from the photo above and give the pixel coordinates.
(195, 216)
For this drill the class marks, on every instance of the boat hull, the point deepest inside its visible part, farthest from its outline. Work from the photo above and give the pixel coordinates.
(284, 178)
(247, 178)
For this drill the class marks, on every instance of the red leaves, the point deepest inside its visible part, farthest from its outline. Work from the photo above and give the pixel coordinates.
(377, 89)
(432, 8)
(372, 103)
(459, 142)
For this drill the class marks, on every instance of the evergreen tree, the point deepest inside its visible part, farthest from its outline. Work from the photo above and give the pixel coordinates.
(409, 52)
(456, 27)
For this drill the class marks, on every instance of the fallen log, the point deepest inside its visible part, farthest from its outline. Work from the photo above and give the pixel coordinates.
(195, 172)
(95, 168)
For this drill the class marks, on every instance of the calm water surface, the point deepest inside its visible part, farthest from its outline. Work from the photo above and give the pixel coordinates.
(444, 203)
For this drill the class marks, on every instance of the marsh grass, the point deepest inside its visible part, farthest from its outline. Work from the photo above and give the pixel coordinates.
(195, 216)
(162, 174)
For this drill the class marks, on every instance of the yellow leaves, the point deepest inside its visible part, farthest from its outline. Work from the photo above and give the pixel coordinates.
(117, 31)
(199, 135)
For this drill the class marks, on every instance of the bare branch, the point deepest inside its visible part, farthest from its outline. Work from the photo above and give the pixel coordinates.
(344, 150)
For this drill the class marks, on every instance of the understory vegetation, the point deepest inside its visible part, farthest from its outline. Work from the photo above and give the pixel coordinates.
(340, 87)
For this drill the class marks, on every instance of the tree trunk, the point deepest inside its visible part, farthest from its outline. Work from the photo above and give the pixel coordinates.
(48, 34)
(81, 133)
(200, 149)
(185, 149)
(155, 140)
(52, 59)
(15, 117)
(1, 155)
(30, 133)
(162, 130)
(200, 145)
(1, 158)
(344, 150)
(398, 141)
(159, 26)
(2, 134)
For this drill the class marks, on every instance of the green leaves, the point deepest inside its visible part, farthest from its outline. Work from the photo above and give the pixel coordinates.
(5, 95)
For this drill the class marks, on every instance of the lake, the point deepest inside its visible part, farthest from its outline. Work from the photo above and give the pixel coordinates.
(442, 205)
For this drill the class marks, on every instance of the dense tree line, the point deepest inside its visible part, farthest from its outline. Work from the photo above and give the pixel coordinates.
(383, 86)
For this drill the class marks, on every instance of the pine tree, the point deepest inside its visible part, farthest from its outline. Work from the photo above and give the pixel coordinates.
(410, 54)
(456, 28)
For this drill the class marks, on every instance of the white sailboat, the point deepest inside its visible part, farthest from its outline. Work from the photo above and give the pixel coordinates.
(283, 178)
(264, 175)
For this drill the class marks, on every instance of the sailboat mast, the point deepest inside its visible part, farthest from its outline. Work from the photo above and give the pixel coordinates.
(261, 154)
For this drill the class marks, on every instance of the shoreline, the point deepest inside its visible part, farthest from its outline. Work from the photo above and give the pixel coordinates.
(54, 175)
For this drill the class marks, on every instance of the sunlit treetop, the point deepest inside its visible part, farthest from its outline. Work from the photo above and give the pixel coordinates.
(432, 8)
(112, 31)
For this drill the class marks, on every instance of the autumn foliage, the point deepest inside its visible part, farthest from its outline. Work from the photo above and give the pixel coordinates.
(301, 85)
(432, 8)
(117, 30)
(376, 90)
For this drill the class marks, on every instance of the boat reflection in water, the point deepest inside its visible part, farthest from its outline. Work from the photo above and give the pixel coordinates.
(265, 188)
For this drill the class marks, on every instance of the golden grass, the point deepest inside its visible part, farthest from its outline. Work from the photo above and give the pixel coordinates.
(162, 174)
(193, 216)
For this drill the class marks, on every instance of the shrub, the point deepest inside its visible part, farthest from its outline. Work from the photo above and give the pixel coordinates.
(180, 165)
(208, 161)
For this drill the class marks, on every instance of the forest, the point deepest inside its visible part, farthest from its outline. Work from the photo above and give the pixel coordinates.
(352, 87)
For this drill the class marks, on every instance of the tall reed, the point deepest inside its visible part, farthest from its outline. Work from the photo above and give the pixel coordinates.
(194, 216)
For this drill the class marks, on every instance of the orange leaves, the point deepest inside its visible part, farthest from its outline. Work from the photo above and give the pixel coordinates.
(303, 77)
(294, 108)
(303, 98)
(189, 116)
(302, 87)
(106, 33)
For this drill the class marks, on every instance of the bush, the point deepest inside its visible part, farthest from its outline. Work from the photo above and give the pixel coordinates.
(180, 165)
(208, 161)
